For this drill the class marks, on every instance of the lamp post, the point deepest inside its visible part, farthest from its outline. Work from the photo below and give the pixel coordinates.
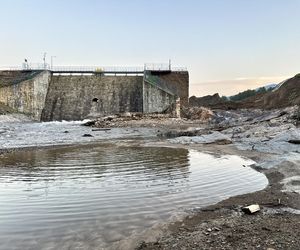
(52, 61)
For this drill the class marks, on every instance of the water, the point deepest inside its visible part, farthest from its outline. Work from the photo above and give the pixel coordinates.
(31, 134)
(92, 196)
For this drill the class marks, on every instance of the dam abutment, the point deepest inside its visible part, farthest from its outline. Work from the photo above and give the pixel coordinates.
(48, 96)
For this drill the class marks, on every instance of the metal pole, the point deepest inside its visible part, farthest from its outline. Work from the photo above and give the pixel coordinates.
(44, 59)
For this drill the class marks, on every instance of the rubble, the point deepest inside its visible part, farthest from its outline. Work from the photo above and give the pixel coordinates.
(127, 119)
(215, 137)
(251, 209)
(198, 113)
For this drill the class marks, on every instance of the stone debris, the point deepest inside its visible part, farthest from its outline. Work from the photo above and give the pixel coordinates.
(101, 129)
(87, 135)
(198, 113)
(127, 119)
(251, 209)
(270, 131)
(215, 137)
(294, 141)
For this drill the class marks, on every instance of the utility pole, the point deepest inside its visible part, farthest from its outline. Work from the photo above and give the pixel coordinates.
(44, 59)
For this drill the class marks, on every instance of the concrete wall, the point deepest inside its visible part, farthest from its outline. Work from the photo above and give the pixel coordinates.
(50, 97)
(26, 96)
(155, 99)
(179, 79)
(80, 97)
(158, 100)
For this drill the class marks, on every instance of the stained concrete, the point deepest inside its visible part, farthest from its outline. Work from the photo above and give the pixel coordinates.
(80, 97)
(155, 99)
(48, 97)
(25, 93)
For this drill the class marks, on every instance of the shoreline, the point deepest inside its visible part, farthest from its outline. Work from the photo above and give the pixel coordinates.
(223, 225)
(224, 220)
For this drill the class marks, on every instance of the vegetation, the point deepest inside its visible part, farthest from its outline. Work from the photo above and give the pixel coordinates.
(248, 93)
(225, 98)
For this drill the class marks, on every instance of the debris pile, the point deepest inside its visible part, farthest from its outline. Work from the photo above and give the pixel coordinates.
(198, 113)
(213, 138)
(128, 119)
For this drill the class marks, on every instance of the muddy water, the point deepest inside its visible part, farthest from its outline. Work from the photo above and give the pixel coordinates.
(89, 197)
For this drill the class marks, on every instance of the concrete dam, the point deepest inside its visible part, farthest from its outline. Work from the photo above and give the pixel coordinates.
(74, 94)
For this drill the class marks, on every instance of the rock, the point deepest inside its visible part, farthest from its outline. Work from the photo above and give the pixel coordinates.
(87, 135)
(215, 137)
(89, 123)
(251, 209)
(294, 141)
(177, 133)
(198, 113)
(101, 129)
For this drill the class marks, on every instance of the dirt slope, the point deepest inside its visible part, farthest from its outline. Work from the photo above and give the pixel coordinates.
(288, 94)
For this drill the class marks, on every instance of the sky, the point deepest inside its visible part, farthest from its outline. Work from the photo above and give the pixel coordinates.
(227, 45)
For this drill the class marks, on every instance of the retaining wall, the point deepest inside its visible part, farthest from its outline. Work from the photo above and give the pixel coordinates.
(49, 97)
(88, 96)
(23, 93)
(155, 99)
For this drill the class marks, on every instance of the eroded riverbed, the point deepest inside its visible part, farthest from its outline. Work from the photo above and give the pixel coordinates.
(92, 196)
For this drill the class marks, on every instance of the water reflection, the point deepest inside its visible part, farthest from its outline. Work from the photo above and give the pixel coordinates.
(94, 195)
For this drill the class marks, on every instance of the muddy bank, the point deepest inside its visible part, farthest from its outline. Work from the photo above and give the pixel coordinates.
(225, 226)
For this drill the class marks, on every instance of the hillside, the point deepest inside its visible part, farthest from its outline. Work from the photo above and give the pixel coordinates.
(287, 94)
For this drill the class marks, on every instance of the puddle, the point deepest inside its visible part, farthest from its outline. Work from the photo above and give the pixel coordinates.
(92, 196)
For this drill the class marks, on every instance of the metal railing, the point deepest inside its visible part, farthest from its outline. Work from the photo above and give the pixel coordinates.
(27, 66)
(162, 67)
(95, 69)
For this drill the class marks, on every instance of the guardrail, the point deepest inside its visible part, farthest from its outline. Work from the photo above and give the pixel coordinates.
(162, 67)
(95, 69)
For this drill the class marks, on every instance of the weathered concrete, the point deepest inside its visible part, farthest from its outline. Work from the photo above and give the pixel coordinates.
(23, 93)
(155, 99)
(80, 97)
(161, 89)
(180, 80)
(48, 97)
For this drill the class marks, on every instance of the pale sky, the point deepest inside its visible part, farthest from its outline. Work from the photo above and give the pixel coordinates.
(227, 45)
